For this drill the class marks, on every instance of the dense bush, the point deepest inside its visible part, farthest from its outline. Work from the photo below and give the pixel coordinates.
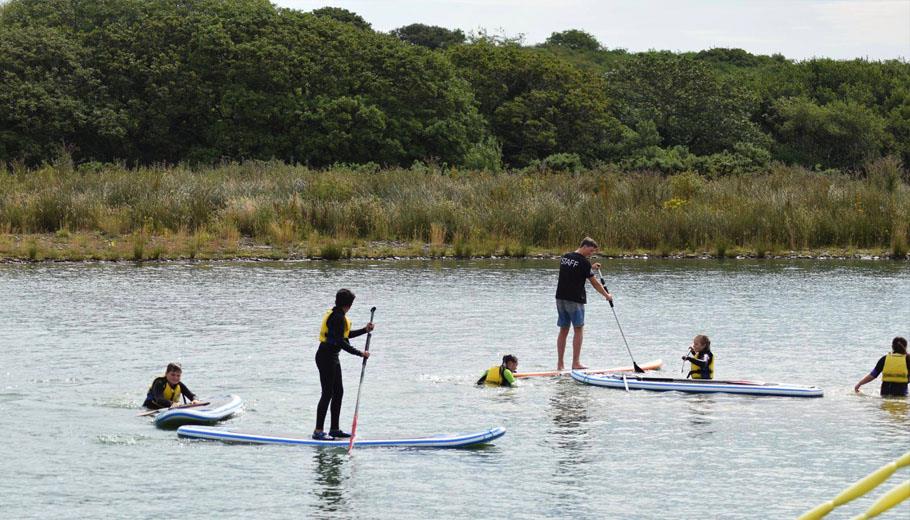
(205, 81)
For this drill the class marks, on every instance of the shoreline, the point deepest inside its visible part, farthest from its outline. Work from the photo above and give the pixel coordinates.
(93, 248)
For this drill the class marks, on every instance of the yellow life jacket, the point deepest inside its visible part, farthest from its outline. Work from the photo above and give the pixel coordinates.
(695, 370)
(172, 394)
(494, 375)
(895, 369)
(324, 330)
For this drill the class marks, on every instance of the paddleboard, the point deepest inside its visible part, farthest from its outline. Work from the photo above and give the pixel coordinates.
(700, 386)
(441, 441)
(218, 409)
(651, 365)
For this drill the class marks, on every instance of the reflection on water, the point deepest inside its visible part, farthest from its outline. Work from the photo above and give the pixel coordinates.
(569, 413)
(329, 487)
(898, 409)
(701, 413)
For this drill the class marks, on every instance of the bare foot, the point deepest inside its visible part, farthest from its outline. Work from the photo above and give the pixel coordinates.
(560, 368)
(578, 367)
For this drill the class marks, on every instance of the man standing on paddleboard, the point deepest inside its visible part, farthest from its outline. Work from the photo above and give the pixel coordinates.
(574, 269)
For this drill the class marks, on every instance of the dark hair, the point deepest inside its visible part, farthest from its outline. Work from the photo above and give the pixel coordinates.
(588, 241)
(899, 345)
(344, 298)
(509, 357)
(173, 367)
(703, 340)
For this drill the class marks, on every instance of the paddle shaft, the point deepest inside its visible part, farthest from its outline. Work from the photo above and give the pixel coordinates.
(159, 410)
(363, 368)
(637, 368)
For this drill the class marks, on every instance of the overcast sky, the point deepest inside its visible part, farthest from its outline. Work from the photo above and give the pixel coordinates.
(798, 29)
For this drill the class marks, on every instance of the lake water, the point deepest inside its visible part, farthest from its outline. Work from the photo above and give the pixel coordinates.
(80, 344)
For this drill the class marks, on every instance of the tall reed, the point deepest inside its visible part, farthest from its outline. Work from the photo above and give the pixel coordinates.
(786, 208)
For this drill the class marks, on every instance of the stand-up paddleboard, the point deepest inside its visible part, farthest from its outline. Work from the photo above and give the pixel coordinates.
(652, 365)
(441, 441)
(700, 386)
(218, 409)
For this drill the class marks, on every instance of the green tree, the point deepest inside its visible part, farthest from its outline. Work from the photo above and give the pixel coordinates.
(430, 36)
(344, 16)
(537, 105)
(201, 80)
(49, 97)
(689, 105)
(574, 39)
(836, 135)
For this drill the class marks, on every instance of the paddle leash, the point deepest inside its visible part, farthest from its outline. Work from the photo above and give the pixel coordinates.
(363, 368)
(638, 369)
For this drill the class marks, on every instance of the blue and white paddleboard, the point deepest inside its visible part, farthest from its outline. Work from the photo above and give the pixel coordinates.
(218, 409)
(440, 441)
(699, 386)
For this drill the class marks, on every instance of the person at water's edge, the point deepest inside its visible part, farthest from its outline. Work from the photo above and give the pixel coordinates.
(333, 338)
(574, 270)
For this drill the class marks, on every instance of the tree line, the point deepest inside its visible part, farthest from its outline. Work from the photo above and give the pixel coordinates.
(204, 81)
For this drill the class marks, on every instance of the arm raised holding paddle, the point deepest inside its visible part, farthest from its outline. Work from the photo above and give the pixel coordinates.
(333, 338)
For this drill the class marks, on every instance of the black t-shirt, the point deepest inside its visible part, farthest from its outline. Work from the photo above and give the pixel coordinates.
(574, 271)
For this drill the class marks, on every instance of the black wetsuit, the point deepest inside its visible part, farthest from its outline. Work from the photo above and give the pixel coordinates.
(155, 397)
(330, 367)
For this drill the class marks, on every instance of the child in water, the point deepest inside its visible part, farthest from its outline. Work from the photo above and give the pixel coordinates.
(894, 368)
(167, 391)
(701, 358)
(501, 375)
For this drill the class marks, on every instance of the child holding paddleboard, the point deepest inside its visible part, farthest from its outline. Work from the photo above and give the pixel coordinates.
(167, 391)
(701, 358)
(894, 368)
(501, 375)
(333, 338)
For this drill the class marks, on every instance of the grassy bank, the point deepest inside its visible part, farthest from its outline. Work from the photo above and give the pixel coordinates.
(273, 210)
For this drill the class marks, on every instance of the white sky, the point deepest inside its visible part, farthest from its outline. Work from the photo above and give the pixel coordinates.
(798, 29)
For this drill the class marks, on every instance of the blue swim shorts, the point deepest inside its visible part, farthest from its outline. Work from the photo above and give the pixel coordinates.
(570, 313)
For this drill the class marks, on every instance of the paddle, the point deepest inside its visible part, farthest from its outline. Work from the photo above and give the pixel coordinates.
(153, 412)
(638, 369)
(682, 369)
(363, 369)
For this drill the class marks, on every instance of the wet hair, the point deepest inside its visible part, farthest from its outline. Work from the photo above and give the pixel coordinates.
(701, 339)
(509, 357)
(173, 367)
(344, 298)
(589, 242)
(899, 345)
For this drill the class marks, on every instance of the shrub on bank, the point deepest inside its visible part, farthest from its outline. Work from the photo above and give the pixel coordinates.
(463, 213)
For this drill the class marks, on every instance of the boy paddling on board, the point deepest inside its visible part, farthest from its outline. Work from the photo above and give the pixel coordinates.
(502, 375)
(701, 358)
(167, 391)
(333, 338)
(894, 368)
(574, 270)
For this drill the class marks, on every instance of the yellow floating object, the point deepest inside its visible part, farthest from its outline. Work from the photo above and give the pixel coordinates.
(858, 489)
(890, 499)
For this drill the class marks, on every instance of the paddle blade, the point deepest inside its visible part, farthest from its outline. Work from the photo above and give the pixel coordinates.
(638, 369)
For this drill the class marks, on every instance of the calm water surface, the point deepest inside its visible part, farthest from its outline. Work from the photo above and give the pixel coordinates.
(80, 343)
